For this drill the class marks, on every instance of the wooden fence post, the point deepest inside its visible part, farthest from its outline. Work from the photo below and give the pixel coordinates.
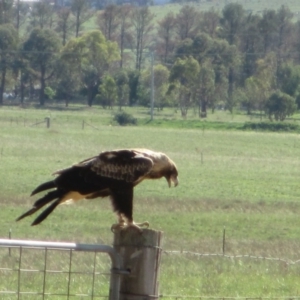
(140, 253)
(47, 119)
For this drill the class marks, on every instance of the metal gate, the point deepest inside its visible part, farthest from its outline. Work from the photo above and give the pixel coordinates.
(27, 270)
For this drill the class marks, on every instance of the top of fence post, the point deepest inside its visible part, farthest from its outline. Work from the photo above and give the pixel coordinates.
(141, 253)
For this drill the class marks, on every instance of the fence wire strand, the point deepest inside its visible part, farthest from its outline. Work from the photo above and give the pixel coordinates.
(183, 252)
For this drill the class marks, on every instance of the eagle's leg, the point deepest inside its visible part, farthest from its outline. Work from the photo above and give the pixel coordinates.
(120, 225)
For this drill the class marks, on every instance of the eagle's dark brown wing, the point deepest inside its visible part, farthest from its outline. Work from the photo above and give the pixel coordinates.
(127, 165)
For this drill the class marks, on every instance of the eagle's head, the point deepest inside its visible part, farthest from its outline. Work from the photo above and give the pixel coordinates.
(172, 176)
(165, 167)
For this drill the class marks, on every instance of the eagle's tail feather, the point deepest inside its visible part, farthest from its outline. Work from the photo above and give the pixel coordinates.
(44, 186)
(45, 213)
(42, 202)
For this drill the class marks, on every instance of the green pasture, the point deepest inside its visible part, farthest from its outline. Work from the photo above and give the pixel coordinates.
(254, 6)
(244, 181)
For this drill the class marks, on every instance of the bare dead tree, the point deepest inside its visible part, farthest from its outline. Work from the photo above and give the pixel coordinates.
(142, 25)
(65, 23)
(109, 21)
(80, 9)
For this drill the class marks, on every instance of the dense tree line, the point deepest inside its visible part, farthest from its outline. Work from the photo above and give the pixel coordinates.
(191, 60)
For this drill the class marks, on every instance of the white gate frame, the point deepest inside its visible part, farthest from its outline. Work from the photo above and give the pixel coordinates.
(114, 256)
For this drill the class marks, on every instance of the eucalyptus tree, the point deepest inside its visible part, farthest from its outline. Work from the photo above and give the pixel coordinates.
(122, 81)
(166, 34)
(187, 22)
(288, 79)
(280, 105)
(205, 88)
(268, 30)
(21, 13)
(210, 22)
(6, 11)
(41, 50)
(161, 85)
(285, 29)
(251, 45)
(41, 15)
(263, 83)
(108, 92)
(89, 57)
(8, 47)
(183, 79)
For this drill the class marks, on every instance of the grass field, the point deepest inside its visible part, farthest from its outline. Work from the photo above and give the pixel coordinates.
(247, 181)
(255, 6)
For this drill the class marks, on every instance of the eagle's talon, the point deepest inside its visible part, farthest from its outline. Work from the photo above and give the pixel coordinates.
(118, 226)
(144, 224)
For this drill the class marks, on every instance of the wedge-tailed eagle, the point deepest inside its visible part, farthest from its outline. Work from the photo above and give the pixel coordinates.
(111, 173)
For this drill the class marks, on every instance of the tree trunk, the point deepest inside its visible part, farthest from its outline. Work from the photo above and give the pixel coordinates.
(22, 89)
(203, 105)
(2, 85)
(90, 96)
(42, 87)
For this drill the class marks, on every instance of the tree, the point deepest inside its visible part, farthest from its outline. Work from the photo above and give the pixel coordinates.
(133, 83)
(90, 56)
(288, 79)
(209, 22)
(232, 25)
(65, 23)
(20, 14)
(41, 50)
(6, 11)
(183, 77)
(108, 21)
(80, 9)
(226, 61)
(108, 92)
(232, 22)
(8, 46)
(253, 92)
(68, 81)
(41, 15)
(268, 30)
(280, 105)
(251, 45)
(161, 85)
(141, 20)
(186, 22)
(166, 33)
(125, 25)
(122, 82)
(284, 25)
(205, 88)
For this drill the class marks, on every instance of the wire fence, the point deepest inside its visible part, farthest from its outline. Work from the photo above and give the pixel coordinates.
(44, 270)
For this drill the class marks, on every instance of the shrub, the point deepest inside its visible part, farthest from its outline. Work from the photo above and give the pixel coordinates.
(123, 118)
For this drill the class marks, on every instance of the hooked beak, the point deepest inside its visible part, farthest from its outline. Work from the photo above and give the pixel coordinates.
(174, 180)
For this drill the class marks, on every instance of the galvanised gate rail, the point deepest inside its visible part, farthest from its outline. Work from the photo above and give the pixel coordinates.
(57, 246)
